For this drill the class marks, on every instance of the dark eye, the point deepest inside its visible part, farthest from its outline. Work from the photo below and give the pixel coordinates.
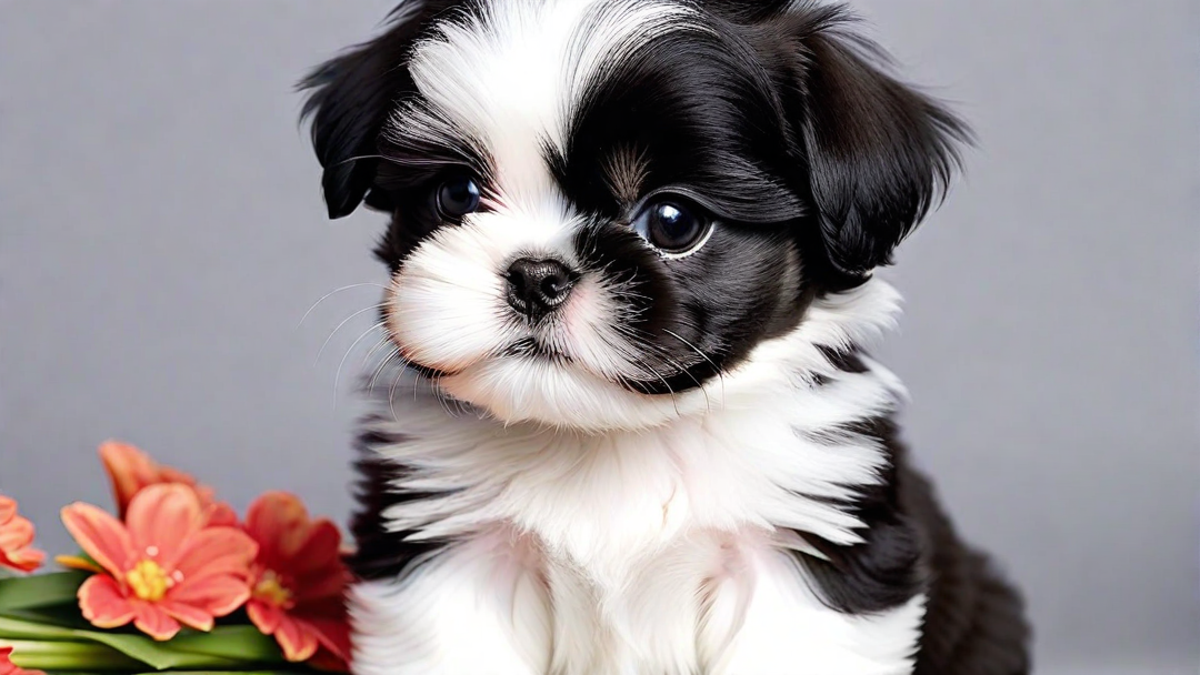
(673, 226)
(456, 197)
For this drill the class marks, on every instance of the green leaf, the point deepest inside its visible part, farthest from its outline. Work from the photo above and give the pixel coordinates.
(225, 648)
(21, 629)
(299, 671)
(160, 655)
(148, 652)
(231, 672)
(40, 590)
(244, 643)
(62, 616)
(42, 655)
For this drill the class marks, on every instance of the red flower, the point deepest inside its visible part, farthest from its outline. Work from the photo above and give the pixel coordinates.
(130, 470)
(7, 667)
(164, 566)
(16, 534)
(298, 580)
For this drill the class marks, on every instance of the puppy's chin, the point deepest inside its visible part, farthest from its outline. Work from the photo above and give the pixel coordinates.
(518, 389)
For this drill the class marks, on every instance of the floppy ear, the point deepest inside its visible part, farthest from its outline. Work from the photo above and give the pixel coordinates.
(879, 153)
(349, 99)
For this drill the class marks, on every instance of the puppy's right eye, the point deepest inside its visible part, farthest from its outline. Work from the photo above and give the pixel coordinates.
(456, 197)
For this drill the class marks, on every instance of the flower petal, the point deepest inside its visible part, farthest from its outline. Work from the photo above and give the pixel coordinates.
(216, 550)
(129, 470)
(15, 552)
(297, 640)
(326, 661)
(265, 616)
(333, 634)
(161, 518)
(220, 514)
(103, 603)
(218, 595)
(22, 560)
(320, 551)
(16, 533)
(153, 620)
(188, 615)
(101, 536)
(278, 521)
(327, 584)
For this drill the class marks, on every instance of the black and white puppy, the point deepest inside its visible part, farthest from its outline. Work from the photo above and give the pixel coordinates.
(634, 430)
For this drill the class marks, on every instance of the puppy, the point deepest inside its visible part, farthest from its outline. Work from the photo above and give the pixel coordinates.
(632, 428)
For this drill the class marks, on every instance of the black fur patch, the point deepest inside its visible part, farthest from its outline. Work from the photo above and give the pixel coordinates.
(382, 553)
(974, 621)
(883, 571)
(876, 153)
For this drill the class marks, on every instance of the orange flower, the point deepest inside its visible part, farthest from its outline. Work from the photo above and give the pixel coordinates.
(16, 534)
(130, 470)
(7, 667)
(164, 566)
(298, 580)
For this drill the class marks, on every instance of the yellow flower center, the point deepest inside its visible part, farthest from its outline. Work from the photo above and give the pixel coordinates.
(270, 589)
(148, 580)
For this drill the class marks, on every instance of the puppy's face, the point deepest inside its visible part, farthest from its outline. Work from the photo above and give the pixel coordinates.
(598, 204)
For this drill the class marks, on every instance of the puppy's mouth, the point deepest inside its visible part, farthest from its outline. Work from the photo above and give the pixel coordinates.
(533, 348)
(526, 348)
(681, 377)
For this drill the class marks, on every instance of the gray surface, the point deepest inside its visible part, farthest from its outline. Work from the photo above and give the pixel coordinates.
(161, 234)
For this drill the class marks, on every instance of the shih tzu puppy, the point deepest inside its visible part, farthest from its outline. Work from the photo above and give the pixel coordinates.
(633, 428)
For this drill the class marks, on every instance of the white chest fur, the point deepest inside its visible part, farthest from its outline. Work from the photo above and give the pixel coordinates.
(668, 551)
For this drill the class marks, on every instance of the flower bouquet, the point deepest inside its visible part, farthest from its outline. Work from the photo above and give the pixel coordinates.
(174, 581)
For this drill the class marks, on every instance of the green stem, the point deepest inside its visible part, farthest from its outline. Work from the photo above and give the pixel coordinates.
(41, 655)
(17, 629)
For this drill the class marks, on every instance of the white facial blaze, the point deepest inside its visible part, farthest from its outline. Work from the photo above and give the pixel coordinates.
(513, 75)
(507, 81)
(448, 308)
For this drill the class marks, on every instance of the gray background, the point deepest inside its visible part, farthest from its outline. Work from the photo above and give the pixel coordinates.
(162, 234)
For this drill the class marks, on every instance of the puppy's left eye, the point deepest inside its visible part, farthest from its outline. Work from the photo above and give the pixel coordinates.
(673, 226)
(456, 197)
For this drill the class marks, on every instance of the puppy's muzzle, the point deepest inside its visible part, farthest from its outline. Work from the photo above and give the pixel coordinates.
(538, 287)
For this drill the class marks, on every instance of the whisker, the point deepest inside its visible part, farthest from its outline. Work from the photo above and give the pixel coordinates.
(392, 394)
(674, 401)
(720, 371)
(339, 327)
(383, 341)
(335, 292)
(437, 386)
(639, 342)
(337, 377)
(379, 371)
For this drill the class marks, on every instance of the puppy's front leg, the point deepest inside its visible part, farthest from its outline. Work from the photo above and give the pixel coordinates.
(478, 607)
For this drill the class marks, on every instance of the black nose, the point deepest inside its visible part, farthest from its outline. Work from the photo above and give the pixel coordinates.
(537, 287)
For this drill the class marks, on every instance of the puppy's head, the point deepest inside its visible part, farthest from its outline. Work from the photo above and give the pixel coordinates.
(598, 204)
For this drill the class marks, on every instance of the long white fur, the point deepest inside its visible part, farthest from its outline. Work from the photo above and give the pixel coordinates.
(599, 531)
(648, 550)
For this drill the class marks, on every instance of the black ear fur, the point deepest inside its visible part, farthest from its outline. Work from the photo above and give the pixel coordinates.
(879, 153)
(350, 97)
